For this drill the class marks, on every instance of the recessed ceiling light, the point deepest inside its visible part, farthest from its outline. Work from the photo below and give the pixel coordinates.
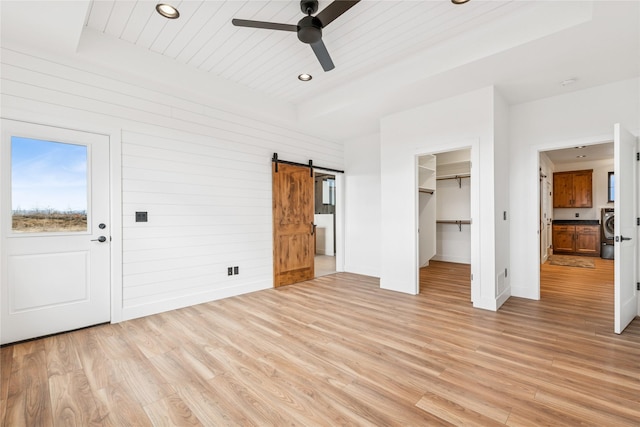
(167, 11)
(305, 77)
(581, 156)
(568, 82)
(459, 1)
(580, 147)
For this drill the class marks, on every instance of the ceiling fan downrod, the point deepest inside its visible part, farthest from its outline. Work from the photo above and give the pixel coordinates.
(309, 6)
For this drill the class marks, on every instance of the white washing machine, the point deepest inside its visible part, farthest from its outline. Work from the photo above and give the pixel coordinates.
(607, 233)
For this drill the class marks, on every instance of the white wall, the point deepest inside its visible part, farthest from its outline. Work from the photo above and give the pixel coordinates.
(324, 234)
(362, 200)
(601, 169)
(202, 173)
(502, 216)
(459, 122)
(576, 118)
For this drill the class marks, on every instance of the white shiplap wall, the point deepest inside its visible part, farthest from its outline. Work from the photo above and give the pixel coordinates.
(203, 174)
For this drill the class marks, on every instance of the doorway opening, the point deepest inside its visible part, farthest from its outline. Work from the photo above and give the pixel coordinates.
(569, 193)
(574, 196)
(445, 212)
(324, 219)
(296, 224)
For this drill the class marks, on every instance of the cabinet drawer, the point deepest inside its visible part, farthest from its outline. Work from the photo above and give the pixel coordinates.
(587, 229)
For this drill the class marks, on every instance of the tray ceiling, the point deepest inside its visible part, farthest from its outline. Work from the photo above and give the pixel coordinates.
(371, 35)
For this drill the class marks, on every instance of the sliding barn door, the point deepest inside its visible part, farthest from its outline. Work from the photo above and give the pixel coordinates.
(293, 252)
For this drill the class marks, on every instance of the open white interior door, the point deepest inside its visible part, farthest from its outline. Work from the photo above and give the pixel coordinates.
(625, 294)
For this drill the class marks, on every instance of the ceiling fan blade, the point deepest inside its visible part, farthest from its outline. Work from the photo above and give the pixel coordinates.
(323, 55)
(264, 25)
(334, 10)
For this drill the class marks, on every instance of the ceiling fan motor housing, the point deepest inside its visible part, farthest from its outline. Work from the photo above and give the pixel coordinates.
(309, 30)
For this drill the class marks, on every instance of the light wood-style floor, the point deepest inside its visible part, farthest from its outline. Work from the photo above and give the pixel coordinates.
(340, 351)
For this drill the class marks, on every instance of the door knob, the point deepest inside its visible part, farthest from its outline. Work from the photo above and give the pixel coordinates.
(100, 239)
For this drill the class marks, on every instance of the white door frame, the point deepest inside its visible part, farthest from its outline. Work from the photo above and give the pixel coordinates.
(474, 146)
(115, 186)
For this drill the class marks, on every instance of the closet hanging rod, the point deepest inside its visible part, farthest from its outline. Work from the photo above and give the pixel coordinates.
(310, 165)
(456, 177)
(453, 177)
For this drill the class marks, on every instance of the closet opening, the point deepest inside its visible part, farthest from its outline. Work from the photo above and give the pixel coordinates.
(444, 216)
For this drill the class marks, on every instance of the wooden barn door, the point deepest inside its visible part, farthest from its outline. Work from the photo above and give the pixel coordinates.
(293, 229)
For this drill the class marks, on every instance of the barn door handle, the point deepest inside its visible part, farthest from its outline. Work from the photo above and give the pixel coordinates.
(313, 228)
(100, 239)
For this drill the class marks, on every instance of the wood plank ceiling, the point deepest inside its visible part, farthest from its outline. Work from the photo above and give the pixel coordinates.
(367, 37)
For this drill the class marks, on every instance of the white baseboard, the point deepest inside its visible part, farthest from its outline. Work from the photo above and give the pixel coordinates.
(156, 307)
(449, 258)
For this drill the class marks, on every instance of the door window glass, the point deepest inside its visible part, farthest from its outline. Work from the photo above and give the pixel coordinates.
(48, 186)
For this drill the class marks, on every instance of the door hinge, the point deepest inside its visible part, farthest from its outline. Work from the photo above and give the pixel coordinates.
(638, 221)
(638, 286)
(472, 277)
(638, 156)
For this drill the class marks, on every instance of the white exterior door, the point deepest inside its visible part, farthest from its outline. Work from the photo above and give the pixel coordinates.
(55, 230)
(625, 293)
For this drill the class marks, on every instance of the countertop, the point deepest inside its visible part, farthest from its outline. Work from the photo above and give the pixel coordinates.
(576, 222)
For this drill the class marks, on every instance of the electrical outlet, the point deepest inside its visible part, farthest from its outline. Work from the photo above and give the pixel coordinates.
(230, 271)
(577, 215)
(236, 270)
(141, 217)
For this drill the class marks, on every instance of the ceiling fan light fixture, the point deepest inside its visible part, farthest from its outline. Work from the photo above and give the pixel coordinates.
(459, 1)
(167, 11)
(305, 77)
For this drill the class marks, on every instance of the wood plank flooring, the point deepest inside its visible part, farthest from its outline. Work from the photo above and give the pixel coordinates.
(338, 350)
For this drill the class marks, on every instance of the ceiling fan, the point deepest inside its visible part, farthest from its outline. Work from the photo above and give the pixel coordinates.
(310, 27)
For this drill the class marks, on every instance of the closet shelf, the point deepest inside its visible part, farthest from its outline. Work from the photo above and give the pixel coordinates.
(456, 177)
(458, 222)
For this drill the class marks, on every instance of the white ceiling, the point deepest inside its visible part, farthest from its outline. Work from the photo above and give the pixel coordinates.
(390, 55)
(590, 153)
